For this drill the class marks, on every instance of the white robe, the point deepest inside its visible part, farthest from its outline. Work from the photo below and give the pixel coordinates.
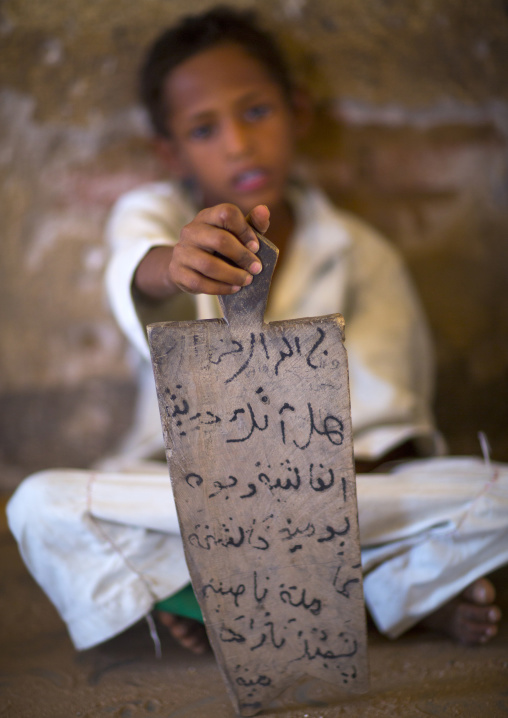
(105, 544)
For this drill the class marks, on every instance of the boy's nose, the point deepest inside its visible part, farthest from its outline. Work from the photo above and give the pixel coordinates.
(237, 138)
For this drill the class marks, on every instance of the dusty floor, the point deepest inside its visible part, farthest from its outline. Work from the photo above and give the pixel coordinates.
(42, 676)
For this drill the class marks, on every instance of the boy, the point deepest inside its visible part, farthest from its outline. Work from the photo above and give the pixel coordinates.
(226, 118)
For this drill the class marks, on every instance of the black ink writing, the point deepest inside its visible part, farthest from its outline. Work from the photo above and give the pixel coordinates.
(286, 596)
(332, 533)
(230, 591)
(270, 635)
(254, 423)
(332, 429)
(260, 681)
(221, 487)
(227, 635)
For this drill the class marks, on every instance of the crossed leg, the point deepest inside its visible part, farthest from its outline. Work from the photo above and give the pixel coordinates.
(471, 618)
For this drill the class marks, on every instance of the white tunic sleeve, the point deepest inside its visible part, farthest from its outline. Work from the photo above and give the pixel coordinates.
(142, 219)
(150, 216)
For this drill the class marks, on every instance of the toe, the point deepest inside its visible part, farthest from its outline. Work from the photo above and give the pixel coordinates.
(489, 633)
(494, 614)
(472, 613)
(483, 615)
(472, 624)
(481, 592)
(188, 633)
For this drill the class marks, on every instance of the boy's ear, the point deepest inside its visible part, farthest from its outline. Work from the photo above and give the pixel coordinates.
(303, 110)
(166, 150)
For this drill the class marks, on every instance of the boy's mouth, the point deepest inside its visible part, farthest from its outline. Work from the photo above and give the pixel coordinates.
(250, 180)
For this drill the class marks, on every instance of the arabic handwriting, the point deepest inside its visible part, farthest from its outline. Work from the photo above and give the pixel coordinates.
(271, 636)
(230, 591)
(222, 487)
(332, 429)
(320, 479)
(203, 538)
(286, 596)
(254, 423)
(308, 531)
(282, 348)
(332, 533)
(260, 681)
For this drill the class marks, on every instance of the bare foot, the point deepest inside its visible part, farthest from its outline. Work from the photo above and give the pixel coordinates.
(471, 618)
(187, 632)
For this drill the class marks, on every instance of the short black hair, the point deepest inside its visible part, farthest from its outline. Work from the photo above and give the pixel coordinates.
(195, 33)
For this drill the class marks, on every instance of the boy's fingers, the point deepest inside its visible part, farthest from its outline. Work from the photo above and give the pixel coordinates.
(230, 218)
(195, 283)
(216, 268)
(215, 240)
(259, 218)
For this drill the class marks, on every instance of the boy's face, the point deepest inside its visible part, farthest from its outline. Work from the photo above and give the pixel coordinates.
(232, 129)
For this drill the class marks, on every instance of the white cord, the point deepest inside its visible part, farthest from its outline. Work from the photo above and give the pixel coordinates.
(485, 447)
(154, 635)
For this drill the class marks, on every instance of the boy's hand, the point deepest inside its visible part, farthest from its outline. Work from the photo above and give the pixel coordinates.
(216, 237)
(215, 255)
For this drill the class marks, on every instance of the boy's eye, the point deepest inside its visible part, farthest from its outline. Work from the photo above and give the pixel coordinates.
(201, 132)
(257, 112)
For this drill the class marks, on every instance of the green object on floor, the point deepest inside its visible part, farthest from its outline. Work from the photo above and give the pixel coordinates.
(182, 603)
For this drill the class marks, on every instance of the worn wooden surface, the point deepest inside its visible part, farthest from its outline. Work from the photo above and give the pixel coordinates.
(256, 420)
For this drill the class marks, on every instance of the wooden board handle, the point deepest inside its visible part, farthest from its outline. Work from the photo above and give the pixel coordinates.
(247, 307)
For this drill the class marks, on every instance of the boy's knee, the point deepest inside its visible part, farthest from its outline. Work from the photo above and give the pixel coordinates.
(38, 498)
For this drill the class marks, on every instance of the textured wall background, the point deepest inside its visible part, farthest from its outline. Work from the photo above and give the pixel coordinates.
(411, 133)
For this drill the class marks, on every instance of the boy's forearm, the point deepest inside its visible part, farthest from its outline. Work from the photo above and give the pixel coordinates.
(152, 277)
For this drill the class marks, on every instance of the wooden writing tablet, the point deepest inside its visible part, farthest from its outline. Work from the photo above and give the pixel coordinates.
(257, 427)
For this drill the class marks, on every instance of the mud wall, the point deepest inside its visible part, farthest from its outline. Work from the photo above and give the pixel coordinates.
(411, 133)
